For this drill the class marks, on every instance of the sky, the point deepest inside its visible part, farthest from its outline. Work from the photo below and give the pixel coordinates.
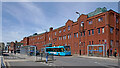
(22, 19)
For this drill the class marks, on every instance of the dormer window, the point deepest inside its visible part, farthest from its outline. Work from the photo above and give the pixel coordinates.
(60, 31)
(90, 22)
(82, 23)
(63, 30)
(55, 33)
(116, 20)
(100, 19)
(68, 27)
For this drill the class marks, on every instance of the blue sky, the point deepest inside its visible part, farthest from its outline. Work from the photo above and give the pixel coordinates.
(21, 19)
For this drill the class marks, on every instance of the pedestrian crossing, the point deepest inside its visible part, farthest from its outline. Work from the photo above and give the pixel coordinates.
(48, 64)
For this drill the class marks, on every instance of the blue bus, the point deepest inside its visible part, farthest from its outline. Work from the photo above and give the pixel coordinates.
(59, 50)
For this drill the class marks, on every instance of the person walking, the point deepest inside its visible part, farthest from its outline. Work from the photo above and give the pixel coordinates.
(108, 53)
(46, 57)
(115, 53)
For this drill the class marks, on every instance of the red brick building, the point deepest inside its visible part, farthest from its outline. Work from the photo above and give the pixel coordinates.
(98, 27)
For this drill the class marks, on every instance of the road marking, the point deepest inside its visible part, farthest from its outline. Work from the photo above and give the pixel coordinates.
(50, 65)
(8, 64)
(95, 62)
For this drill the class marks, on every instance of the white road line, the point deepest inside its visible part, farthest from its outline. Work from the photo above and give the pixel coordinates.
(50, 65)
(46, 64)
(95, 62)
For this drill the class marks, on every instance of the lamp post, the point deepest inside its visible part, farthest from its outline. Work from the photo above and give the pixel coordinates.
(79, 34)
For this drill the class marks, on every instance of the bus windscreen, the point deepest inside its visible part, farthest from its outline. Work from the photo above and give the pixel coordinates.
(67, 48)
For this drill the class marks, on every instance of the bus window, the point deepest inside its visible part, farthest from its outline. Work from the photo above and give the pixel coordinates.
(61, 49)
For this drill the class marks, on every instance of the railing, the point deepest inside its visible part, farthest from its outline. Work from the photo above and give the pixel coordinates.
(43, 56)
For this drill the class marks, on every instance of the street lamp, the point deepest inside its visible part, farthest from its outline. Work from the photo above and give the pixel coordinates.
(79, 36)
(78, 13)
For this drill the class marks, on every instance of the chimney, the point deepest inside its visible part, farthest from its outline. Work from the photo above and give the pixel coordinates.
(51, 28)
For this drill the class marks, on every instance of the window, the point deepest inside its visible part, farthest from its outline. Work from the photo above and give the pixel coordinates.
(102, 30)
(117, 43)
(74, 34)
(49, 38)
(103, 41)
(111, 30)
(89, 43)
(55, 33)
(98, 30)
(68, 27)
(84, 33)
(38, 37)
(100, 19)
(90, 22)
(92, 42)
(92, 31)
(99, 41)
(68, 36)
(82, 23)
(89, 32)
(81, 33)
(77, 35)
(64, 37)
(61, 37)
(111, 42)
(116, 20)
(117, 31)
(63, 30)
(60, 31)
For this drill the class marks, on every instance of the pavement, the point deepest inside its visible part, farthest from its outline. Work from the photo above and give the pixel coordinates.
(106, 58)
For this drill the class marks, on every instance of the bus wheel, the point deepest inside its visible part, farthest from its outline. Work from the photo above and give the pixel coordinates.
(58, 54)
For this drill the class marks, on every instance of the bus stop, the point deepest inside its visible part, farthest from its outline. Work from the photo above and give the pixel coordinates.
(97, 50)
(28, 50)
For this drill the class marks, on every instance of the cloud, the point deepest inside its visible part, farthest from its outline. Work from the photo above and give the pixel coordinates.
(22, 19)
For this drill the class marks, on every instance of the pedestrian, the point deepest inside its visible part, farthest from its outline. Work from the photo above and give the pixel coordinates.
(108, 53)
(115, 53)
(46, 57)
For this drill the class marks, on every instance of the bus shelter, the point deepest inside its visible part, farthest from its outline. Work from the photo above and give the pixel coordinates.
(28, 50)
(96, 50)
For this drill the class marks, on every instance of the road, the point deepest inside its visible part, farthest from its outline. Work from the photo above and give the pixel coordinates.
(64, 61)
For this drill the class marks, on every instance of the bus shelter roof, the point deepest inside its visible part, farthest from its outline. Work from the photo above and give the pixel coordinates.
(97, 45)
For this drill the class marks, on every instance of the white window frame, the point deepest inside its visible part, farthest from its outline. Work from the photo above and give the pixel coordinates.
(55, 33)
(59, 31)
(68, 27)
(103, 30)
